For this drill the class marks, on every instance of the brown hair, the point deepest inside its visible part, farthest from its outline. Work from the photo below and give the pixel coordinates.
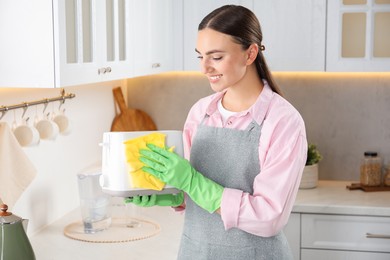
(243, 25)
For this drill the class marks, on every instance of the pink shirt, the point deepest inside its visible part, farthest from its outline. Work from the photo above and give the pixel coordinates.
(282, 156)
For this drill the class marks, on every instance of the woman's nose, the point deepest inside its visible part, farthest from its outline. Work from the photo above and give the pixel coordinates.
(205, 66)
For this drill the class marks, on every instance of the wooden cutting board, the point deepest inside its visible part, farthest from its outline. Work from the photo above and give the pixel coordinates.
(130, 119)
(358, 186)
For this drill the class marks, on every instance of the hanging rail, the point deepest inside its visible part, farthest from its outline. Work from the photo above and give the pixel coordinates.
(5, 109)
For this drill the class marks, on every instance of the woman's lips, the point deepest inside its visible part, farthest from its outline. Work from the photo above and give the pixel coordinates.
(214, 78)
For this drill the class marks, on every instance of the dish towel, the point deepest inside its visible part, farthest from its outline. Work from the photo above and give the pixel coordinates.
(16, 170)
(141, 179)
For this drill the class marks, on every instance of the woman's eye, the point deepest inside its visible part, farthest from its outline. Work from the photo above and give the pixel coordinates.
(200, 57)
(217, 58)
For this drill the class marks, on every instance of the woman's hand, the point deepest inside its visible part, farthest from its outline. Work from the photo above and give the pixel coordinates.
(178, 172)
(173, 200)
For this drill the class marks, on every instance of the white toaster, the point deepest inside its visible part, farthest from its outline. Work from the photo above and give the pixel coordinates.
(115, 179)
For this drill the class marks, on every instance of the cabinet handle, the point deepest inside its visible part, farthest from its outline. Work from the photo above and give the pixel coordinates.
(156, 65)
(101, 71)
(370, 235)
(104, 70)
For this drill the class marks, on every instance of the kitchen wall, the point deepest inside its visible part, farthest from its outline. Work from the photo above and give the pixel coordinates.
(345, 113)
(54, 190)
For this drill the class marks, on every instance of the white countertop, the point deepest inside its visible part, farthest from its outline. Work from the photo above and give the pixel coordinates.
(51, 244)
(330, 197)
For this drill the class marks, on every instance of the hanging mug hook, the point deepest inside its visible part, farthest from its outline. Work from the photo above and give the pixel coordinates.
(62, 101)
(3, 112)
(25, 107)
(45, 106)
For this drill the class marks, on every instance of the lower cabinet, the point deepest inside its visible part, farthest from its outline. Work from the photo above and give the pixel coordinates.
(341, 255)
(338, 237)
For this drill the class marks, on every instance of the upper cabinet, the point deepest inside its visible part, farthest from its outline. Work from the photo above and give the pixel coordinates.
(282, 23)
(94, 41)
(358, 35)
(157, 27)
(49, 43)
(27, 45)
(293, 34)
(194, 12)
(306, 35)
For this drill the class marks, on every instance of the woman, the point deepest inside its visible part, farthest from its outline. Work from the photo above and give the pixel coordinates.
(246, 145)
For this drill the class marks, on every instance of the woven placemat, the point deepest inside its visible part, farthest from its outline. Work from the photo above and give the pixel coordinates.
(119, 231)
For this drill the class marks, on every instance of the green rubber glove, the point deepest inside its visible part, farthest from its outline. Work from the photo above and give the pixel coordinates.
(173, 200)
(178, 172)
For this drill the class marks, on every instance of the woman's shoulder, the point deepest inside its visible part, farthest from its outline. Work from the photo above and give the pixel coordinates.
(282, 110)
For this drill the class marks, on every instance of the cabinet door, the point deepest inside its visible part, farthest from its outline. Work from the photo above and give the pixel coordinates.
(358, 36)
(194, 12)
(353, 233)
(293, 234)
(26, 45)
(75, 34)
(93, 41)
(114, 41)
(152, 23)
(293, 34)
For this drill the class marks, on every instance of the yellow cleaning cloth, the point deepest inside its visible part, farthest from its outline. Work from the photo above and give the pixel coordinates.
(141, 179)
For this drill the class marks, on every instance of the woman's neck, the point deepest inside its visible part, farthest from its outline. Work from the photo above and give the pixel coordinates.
(243, 95)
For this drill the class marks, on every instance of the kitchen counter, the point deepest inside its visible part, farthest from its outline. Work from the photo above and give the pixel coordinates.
(51, 244)
(330, 197)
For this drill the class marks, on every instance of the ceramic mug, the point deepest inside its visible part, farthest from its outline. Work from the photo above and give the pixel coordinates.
(48, 129)
(63, 123)
(26, 134)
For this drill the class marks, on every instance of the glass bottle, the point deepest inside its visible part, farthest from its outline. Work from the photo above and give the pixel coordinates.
(386, 178)
(371, 169)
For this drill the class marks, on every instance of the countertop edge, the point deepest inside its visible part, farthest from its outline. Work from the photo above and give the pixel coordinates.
(332, 197)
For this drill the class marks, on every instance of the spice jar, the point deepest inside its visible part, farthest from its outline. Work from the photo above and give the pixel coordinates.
(386, 178)
(371, 169)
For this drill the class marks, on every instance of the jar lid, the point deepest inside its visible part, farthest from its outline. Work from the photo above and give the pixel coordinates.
(370, 154)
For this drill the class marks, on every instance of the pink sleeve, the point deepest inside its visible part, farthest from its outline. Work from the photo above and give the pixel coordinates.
(266, 211)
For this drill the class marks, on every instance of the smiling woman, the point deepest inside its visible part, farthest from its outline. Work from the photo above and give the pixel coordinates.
(244, 147)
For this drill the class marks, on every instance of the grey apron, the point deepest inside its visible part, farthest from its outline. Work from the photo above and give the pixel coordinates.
(230, 157)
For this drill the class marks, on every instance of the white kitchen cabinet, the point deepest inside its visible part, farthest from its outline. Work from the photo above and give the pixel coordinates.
(358, 37)
(157, 27)
(49, 43)
(293, 234)
(310, 254)
(193, 13)
(95, 41)
(293, 34)
(26, 45)
(344, 237)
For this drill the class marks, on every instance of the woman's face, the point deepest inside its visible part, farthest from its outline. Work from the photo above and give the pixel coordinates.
(222, 60)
